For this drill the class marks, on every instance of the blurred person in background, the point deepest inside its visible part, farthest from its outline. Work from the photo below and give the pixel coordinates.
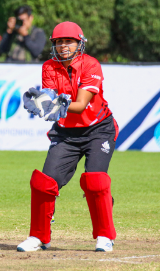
(22, 41)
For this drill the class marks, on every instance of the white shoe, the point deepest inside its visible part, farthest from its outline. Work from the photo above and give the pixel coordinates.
(104, 244)
(32, 244)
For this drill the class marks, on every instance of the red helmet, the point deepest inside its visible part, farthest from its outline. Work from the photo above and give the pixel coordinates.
(67, 30)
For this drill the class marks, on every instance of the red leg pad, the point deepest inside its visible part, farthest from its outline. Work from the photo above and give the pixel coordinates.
(96, 186)
(93, 212)
(43, 192)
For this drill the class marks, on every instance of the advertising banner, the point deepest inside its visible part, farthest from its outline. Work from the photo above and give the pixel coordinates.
(20, 130)
(133, 94)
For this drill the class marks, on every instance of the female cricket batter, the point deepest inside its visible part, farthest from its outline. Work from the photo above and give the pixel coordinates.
(88, 129)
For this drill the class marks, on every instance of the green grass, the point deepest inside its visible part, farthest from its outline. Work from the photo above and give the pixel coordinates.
(136, 177)
(135, 188)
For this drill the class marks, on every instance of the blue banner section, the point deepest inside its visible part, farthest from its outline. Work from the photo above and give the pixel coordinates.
(144, 138)
(135, 123)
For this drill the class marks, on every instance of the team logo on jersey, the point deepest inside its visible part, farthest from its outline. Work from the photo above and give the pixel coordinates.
(106, 147)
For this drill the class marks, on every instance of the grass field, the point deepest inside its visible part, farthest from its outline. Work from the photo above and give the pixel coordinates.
(136, 190)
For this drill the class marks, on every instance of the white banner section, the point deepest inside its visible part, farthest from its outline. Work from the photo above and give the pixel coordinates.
(133, 94)
(19, 130)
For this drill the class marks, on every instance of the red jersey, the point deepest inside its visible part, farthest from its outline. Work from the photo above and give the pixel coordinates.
(84, 72)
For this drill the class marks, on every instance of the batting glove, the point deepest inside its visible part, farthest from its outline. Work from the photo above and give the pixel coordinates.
(38, 102)
(58, 108)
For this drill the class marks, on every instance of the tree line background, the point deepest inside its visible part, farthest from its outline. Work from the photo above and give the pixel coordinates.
(117, 30)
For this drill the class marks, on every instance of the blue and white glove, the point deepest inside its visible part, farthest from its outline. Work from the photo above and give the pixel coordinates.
(58, 108)
(38, 102)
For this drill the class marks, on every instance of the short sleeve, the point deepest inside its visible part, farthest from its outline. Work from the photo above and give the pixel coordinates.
(92, 77)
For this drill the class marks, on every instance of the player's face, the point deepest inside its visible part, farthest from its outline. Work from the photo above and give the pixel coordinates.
(66, 47)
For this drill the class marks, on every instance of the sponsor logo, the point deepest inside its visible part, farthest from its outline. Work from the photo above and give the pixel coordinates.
(10, 99)
(109, 245)
(68, 96)
(106, 147)
(53, 143)
(96, 76)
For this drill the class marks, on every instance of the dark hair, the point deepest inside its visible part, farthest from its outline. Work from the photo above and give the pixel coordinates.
(23, 9)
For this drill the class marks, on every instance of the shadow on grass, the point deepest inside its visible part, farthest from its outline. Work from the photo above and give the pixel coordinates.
(14, 247)
(8, 247)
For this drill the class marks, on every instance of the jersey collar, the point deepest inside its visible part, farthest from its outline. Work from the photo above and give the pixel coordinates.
(74, 64)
